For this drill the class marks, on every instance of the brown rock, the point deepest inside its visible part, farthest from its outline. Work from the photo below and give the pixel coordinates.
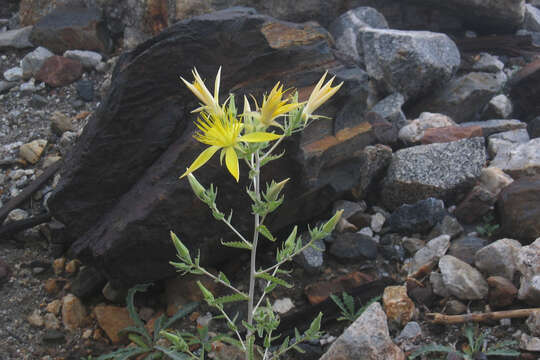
(518, 206)
(525, 89)
(35, 319)
(51, 321)
(113, 319)
(478, 202)
(54, 307)
(320, 291)
(32, 151)
(5, 271)
(61, 123)
(501, 291)
(72, 266)
(450, 133)
(397, 304)
(59, 71)
(30, 11)
(54, 285)
(59, 265)
(73, 312)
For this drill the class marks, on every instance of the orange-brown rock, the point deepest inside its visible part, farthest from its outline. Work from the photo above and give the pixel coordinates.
(58, 265)
(320, 291)
(72, 266)
(156, 17)
(73, 312)
(112, 319)
(502, 291)
(450, 133)
(397, 304)
(54, 285)
(182, 290)
(54, 307)
(59, 71)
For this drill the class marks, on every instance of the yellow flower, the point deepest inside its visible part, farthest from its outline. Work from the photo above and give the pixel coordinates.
(318, 96)
(274, 106)
(223, 133)
(210, 103)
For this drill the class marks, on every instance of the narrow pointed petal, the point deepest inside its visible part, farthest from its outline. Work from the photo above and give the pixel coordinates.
(201, 159)
(259, 137)
(216, 85)
(231, 160)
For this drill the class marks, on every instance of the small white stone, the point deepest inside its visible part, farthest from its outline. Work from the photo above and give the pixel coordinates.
(13, 74)
(377, 222)
(282, 306)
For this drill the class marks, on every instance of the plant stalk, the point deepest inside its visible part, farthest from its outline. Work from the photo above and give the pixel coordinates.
(256, 183)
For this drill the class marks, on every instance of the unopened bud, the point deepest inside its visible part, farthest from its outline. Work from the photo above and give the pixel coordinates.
(196, 186)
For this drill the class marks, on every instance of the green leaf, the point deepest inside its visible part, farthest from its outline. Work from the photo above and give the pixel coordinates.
(208, 296)
(263, 230)
(183, 252)
(231, 298)
(299, 349)
(329, 226)
(172, 354)
(130, 303)
(222, 277)
(158, 325)
(315, 326)
(237, 244)
(139, 340)
(123, 354)
(274, 279)
(502, 352)
(139, 331)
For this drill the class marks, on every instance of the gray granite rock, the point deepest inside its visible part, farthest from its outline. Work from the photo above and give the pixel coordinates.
(465, 247)
(367, 338)
(18, 38)
(6, 85)
(373, 162)
(465, 96)
(462, 280)
(520, 160)
(347, 30)
(448, 226)
(437, 283)
(412, 63)
(32, 62)
(311, 259)
(498, 258)
(442, 170)
(389, 109)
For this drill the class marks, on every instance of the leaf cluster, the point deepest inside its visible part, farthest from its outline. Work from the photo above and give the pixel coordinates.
(347, 306)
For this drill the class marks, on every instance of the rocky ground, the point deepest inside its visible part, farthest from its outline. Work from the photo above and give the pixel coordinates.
(454, 260)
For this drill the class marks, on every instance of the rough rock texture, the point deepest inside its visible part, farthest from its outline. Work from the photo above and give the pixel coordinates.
(520, 160)
(419, 217)
(373, 162)
(524, 90)
(113, 319)
(18, 38)
(499, 107)
(398, 306)
(528, 264)
(502, 291)
(519, 209)
(347, 28)
(71, 28)
(494, 126)
(415, 130)
(123, 173)
(498, 258)
(59, 71)
(449, 134)
(465, 248)
(412, 63)
(442, 171)
(428, 255)
(506, 141)
(367, 338)
(463, 97)
(532, 18)
(32, 62)
(462, 280)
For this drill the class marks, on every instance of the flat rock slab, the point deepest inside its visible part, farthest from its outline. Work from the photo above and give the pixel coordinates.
(442, 171)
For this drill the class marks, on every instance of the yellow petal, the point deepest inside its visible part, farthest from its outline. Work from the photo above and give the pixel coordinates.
(201, 159)
(259, 137)
(231, 160)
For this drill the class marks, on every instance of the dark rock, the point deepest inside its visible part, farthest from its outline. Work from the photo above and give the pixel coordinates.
(69, 28)
(518, 207)
(354, 246)
(347, 29)
(478, 202)
(53, 336)
(385, 132)
(533, 127)
(448, 226)
(17, 38)
(463, 97)
(320, 291)
(502, 292)
(311, 259)
(466, 247)
(412, 63)
(38, 101)
(421, 295)
(120, 192)
(5, 86)
(525, 90)
(5, 271)
(89, 281)
(419, 217)
(85, 90)
(443, 171)
(373, 163)
(59, 71)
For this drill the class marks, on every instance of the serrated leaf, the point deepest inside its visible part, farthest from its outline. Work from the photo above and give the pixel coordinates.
(269, 288)
(237, 244)
(284, 345)
(231, 298)
(263, 230)
(274, 279)
(222, 277)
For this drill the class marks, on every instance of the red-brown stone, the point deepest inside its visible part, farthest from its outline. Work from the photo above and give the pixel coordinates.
(450, 133)
(501, 291)
(59, 71)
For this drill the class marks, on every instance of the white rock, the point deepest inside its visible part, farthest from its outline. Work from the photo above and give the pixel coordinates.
(29, 86)
(499, 107)
(494, 179)
(529, 343)
(16, 215)
(519, 160)
(532, 18)
(88, 59)
(434, 250)
(377, 222)
(13, 74)
(462, 280)
(282, 306)
(414, 131)
(505, 141)
(488, 63)
(498, 258)
(18, 38)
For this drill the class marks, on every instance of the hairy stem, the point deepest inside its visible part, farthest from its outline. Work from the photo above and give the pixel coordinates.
(256, 180)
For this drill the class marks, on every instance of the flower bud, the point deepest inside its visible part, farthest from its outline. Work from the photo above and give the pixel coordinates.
(196, 186)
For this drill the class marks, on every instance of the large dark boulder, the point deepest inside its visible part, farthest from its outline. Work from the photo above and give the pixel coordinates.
(119, 194)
